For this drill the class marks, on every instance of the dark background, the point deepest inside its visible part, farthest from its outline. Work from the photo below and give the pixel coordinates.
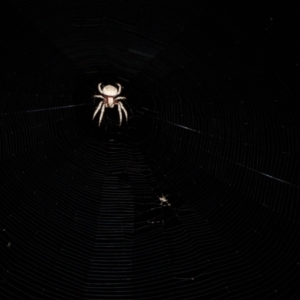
(213, 123)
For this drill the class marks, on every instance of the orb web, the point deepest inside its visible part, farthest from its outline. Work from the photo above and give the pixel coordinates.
(213, 127)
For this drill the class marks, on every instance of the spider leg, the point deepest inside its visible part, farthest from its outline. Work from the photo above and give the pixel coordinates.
(99, 87)
(98, 96)
(124, 110)
(119, 98)
(119, 89)
(120, 112)
(101, 114)
(97, 109)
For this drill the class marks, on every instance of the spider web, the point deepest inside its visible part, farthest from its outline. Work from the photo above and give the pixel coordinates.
(213, 126)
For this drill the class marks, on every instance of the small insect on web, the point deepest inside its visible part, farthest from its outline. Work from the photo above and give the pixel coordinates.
(110, 96)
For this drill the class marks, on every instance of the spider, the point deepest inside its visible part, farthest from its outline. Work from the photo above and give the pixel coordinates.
(110, 99)
(164, 201)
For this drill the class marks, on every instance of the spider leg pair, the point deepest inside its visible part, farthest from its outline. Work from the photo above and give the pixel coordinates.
(121, 108)
(101, 104)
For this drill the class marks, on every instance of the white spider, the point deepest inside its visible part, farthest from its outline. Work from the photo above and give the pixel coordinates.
(164, 201)
(110, 99)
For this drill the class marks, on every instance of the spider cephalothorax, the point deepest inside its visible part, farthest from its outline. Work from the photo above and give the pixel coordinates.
(110, 99)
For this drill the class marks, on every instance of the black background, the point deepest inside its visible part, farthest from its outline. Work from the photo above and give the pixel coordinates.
(212, 92)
